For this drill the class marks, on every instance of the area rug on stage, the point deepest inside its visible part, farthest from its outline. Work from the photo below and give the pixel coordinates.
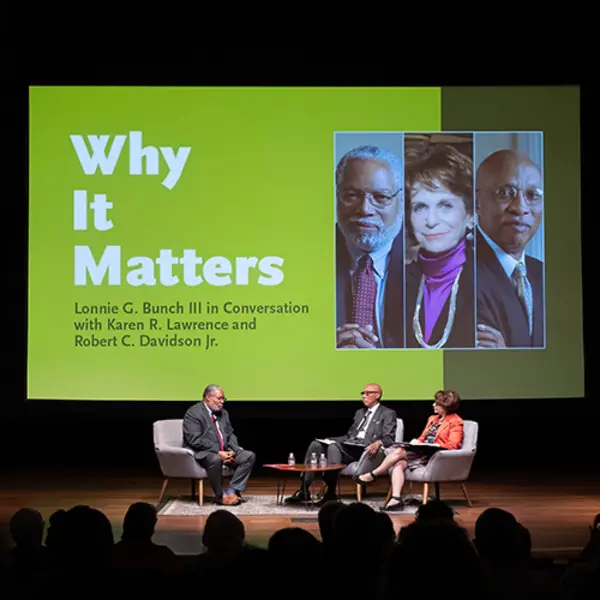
(260, 506)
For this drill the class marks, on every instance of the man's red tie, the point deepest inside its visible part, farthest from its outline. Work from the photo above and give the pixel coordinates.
(365, 294)
(214, 420)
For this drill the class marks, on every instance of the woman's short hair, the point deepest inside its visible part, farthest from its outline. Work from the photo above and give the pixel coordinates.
(449, 399)
(441, 163)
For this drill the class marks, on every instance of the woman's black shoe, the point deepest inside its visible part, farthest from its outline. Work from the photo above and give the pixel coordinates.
(398, 507)
(364, 484)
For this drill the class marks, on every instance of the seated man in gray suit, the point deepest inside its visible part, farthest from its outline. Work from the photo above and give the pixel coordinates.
(207, 430)
(373, 428)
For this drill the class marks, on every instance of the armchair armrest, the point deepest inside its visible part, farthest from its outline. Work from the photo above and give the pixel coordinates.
(454, 453)
(165, 449)
(176, 461)
(449, 465)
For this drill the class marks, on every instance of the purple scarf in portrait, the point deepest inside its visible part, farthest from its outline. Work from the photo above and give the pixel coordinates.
(440, 271)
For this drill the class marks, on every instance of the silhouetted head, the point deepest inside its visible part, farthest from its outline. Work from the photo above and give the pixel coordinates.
(386, 534)
(326, 515)
(224, 533)
(27, 527)
(88, 537)
(500, 538)
(437, 548)
(139, 522)
(356, 529)
(294, 546)
(55, 533)
(436, 509)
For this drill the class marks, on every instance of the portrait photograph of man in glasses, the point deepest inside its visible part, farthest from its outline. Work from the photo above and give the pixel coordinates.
(509, 189)
(369, 241)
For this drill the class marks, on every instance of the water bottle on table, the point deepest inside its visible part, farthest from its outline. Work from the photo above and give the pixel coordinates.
(291, 460)
(313, 460)
(322, 461)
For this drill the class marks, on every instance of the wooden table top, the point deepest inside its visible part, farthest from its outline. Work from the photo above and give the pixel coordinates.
(300, 467)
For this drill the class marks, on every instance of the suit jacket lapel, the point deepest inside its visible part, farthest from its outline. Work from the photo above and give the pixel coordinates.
(212, 426)
(443, 425)
(223, 425)
(393, 326)
(464, 302)
(372, 424)
(537, 289)
(514, 312)
(486, 254)
(343, 286)
(359, 423)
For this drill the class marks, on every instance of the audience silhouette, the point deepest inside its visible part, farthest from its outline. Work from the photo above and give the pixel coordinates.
(80, 557)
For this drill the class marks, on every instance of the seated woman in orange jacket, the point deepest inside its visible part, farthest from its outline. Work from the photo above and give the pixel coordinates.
(444, 429)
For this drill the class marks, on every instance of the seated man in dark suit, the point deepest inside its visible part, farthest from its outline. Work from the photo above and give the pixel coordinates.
(207, 430)
(369, 250)
(510, 285)
(373, 429)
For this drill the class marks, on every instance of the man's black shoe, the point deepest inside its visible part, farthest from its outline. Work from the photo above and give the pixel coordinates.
(298, 497)
(326, 498)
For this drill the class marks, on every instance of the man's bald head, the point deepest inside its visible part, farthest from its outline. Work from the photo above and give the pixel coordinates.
(498, 162)
(371, 394)
(509, 199)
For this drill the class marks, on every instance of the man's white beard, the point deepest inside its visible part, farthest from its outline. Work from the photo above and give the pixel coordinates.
(371, 242)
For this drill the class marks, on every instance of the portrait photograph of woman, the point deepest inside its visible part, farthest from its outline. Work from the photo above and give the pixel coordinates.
(440, 265)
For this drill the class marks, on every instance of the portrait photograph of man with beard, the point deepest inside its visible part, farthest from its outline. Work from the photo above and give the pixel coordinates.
(369, 240)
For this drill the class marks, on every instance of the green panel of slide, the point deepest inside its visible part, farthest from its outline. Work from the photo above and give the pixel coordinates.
(184, 236)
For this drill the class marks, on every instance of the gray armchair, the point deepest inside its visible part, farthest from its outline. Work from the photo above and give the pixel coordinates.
(176, 460)
(448, 465)
(365, 463)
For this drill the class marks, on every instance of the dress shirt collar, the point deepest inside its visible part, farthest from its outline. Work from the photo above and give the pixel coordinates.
(380, 257)
(507, 262)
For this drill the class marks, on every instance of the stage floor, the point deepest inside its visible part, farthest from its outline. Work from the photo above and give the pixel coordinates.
(557, 509)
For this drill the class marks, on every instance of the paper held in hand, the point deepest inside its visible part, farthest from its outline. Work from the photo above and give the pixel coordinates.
(418, 447)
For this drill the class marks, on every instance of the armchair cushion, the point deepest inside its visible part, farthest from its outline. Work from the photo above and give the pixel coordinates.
(175, 459)
(445, 465)
(449, 465)
(365, 463)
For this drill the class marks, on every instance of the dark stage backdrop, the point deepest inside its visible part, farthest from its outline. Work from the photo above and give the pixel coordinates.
(543, 435)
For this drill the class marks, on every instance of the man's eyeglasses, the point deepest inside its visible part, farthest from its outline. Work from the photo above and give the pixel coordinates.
(509, 193)
(377, 199)
(366, 392)
(220, 398)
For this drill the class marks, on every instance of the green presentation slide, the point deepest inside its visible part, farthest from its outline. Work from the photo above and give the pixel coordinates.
(293, 243)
